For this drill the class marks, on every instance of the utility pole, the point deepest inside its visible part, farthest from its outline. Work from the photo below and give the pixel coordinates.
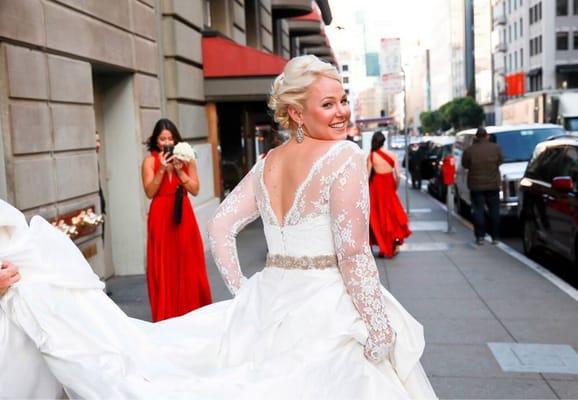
(406, 143)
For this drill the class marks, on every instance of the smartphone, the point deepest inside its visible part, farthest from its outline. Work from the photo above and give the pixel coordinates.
(168, 150)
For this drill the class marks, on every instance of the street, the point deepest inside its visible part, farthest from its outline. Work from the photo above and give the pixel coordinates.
(494, 327)
(510, 232)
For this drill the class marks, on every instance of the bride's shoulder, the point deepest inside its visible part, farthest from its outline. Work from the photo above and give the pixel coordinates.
(347, 150)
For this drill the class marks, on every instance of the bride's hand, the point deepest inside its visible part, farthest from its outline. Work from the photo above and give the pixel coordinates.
(378, 350)
(9, 275)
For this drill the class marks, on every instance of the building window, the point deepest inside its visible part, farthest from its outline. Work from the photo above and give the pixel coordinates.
(345, 79)
(535, 45)
(509, 6)
(521, 29)
(562, 41)
(575, 7)
(345, 68)
(510, 34)
(561, 7)
(521, 58)
(509, 62)
(575, 40)
(515, 30)
(515, 60)
(531, 16)
(539, 9)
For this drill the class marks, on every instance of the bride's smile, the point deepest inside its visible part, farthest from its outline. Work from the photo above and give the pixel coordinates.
(326, 112)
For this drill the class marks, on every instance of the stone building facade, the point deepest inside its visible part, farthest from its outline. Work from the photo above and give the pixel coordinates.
(71, 68)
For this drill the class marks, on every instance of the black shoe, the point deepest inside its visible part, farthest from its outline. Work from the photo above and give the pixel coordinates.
(480, 241)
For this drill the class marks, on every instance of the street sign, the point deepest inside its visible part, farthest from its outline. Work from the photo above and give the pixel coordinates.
(390, 56)
(392, 83)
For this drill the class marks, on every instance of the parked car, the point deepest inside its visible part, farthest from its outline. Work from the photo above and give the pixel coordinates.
(396, 141)
(517, 143)
(440, 150)
(549, 199)
(420, 161)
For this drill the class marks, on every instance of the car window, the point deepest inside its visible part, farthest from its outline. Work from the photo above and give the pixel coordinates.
(570, 164)
(518, 145)
(460, 141)
(447, 149)
(533, 166)
(547, 165)
(571, 124)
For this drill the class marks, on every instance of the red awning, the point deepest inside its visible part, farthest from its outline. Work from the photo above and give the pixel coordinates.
(515, 84)
(224, 58)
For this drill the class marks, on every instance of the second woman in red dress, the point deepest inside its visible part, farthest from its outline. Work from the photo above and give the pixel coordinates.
(176, 272)
(387, 219)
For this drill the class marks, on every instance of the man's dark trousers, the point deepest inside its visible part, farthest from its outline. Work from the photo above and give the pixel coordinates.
(491, 199)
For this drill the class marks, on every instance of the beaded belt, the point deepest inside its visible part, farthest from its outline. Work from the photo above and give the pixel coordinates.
(289, 262)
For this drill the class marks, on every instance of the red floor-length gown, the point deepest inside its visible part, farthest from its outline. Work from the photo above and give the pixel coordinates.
(387, 219)
(176, 272)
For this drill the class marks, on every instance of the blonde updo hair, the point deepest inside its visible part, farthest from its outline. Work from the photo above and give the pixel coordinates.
(290, 88)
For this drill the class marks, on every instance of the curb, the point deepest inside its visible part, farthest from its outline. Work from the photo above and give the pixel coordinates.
(555, 280)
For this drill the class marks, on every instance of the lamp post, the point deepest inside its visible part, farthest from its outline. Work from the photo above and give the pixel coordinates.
(407, 208)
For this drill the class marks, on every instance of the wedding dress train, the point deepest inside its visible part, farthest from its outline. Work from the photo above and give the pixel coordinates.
(295, 330)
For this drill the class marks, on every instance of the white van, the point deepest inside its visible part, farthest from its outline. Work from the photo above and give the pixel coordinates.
(517, 143)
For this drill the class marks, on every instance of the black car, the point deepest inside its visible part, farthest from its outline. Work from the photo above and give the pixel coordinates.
(420, 157)
(548, 195)
(435, 185)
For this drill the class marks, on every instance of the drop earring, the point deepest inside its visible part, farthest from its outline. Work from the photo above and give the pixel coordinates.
(300, 134)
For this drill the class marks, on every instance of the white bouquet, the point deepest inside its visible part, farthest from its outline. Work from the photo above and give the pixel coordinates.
(184, 152)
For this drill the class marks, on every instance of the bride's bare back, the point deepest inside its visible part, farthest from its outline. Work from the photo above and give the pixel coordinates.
(381, 166)
(287, 168)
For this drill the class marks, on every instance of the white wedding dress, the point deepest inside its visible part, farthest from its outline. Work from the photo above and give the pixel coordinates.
(295, 330)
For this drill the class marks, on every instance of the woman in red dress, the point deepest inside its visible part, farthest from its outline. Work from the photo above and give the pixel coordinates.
(387, 219)
(176, 271)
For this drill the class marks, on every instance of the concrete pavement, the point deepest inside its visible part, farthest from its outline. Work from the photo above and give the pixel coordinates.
(480, 307)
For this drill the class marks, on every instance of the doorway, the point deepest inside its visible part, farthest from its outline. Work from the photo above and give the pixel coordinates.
(120, 157)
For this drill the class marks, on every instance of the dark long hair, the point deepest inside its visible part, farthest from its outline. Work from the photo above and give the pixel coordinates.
(377, 141)
(161, 125)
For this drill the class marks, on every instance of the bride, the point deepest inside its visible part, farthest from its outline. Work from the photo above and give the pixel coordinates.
(315, 323)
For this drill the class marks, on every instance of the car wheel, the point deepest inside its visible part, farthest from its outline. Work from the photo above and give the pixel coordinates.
(528, 237)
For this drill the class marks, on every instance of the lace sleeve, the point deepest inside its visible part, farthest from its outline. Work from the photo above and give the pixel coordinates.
(235, 212)
(349, 205)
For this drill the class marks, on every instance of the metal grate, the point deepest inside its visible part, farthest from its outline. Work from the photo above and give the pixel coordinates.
(539, 358)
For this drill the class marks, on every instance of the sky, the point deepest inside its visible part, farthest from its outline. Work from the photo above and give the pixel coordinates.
(381, 18)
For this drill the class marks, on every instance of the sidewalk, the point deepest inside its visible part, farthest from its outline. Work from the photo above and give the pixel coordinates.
(470, 300)
(468, 296)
